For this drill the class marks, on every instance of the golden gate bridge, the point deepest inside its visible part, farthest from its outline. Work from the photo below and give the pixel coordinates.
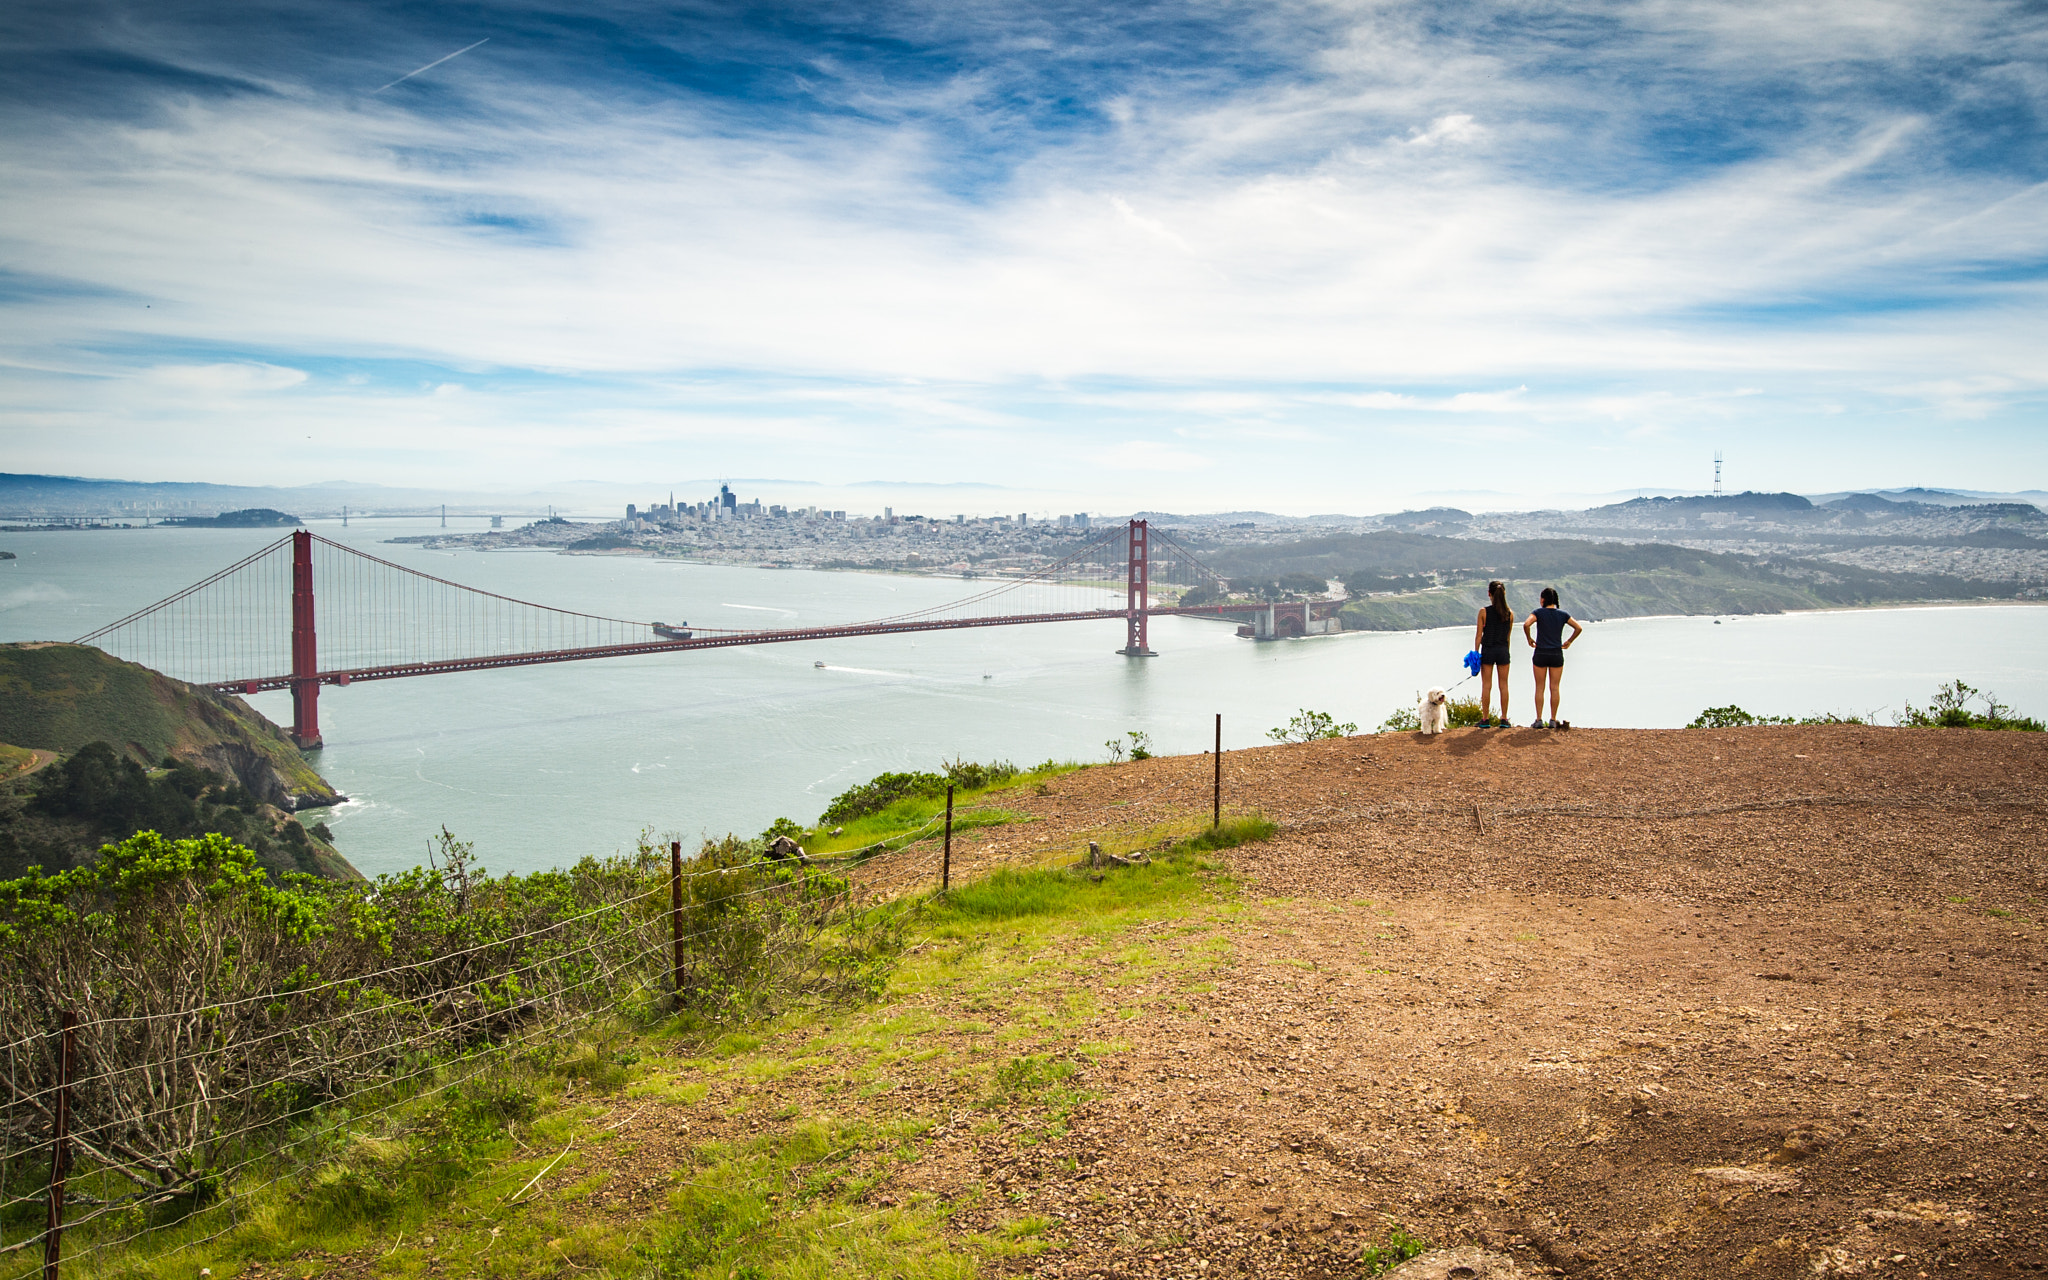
(307, 611)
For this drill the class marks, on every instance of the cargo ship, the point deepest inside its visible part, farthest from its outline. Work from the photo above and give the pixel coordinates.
(681, 631)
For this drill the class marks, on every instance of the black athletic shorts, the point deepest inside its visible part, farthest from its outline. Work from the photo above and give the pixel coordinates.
(1549, 657)
(1495, 655)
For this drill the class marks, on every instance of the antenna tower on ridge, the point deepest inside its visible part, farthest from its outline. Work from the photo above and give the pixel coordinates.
(1717, 473)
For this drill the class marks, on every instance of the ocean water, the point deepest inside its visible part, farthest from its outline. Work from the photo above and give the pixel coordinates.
(542, 765)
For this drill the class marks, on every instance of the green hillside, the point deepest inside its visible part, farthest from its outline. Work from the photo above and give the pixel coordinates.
(1445, 578)
(1593, 595)
(61, 696)
(144, 750)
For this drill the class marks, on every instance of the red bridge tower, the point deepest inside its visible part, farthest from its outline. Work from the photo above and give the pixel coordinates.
(305, 647)
(1137, 594)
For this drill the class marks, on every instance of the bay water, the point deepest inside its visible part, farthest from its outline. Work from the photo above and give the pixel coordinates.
(539, 766)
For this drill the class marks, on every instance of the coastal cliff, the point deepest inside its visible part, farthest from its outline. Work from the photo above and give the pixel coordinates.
(58, 699)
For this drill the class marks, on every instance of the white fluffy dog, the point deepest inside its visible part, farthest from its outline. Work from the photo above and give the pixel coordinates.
(1435, 712)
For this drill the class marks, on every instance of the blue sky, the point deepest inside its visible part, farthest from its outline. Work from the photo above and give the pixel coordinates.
(1304, 257)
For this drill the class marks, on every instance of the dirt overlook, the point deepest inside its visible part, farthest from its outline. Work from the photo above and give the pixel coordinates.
(1698, 1002)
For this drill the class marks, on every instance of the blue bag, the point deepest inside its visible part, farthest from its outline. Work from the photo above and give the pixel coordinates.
(1472, 663)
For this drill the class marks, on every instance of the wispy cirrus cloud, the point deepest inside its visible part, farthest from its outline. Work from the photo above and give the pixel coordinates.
(1306, 230)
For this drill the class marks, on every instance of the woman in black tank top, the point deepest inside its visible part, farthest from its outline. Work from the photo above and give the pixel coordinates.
(1490, 636)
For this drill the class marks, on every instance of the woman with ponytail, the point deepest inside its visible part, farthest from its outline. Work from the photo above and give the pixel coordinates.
(1490, 637)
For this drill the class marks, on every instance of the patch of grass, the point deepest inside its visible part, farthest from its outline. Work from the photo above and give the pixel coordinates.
(912, 812)
(1398, 1248)
(667, 1088)
(1234, 831)
(604, 1067)
(1012, 894)
(14, 760)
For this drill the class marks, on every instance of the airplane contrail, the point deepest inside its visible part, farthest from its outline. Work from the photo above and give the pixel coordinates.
(431, 65)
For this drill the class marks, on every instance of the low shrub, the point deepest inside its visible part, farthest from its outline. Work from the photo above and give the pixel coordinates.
(883, 790)
(1950, 709)
(1399, 1247)
(223, 1004)
(1307, 726)
(1401, 720)
(1732, 717)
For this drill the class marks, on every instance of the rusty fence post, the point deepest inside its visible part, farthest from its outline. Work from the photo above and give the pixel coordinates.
(1216, 813)
(946, 865)
(675, 913)
(60, 1145)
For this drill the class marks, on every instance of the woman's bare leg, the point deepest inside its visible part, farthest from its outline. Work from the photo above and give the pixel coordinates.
(1556, 677)
(1542, 676)
(1486, 692)
(1490, 674)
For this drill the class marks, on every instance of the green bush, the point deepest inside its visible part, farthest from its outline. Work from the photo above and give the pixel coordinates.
(877, 794)
(1732, 717)
(1950, 709)
(883, 790)
(1307, 726)
(274, 998)
(1401, 720)
(111, 797)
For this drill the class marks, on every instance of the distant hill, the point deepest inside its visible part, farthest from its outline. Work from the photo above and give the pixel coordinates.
(252, 518)
(34, 496)
(1747, 503)
(1402, 581)
(1429, 518)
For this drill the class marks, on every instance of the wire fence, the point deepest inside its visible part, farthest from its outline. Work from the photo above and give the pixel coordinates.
(159, 1096)
(120, 1118)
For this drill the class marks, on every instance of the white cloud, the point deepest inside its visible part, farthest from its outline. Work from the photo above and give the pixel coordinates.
(1150, 226)
(225, 379)
(1452, 128)
(838, 289)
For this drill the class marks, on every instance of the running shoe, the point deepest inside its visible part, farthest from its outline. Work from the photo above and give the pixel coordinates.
(1555, 725)
(1535, 724)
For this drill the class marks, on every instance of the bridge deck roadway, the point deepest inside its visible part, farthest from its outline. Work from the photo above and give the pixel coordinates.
(722, 640)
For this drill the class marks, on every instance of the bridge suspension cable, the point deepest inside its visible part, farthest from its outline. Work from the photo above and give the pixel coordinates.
(306, 611)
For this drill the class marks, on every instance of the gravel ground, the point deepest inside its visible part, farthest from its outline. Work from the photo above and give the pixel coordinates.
(1755, 1001)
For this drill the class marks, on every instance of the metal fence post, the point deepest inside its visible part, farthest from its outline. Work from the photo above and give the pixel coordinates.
(1216, 814)
(60, 1146)
(946, 865)
(675, 913)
